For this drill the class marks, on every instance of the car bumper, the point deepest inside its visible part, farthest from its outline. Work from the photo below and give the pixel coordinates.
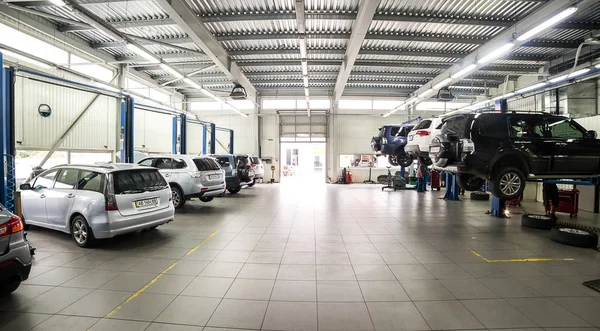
(233, 183)
(212, 191)
(417, 150)
(15, 268)
(117, 224)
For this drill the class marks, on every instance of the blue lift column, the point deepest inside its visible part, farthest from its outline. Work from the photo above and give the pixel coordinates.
(183, 134)
(204, 135)
(7, 137)
(213, 138)
(127, 124)
(452, 188)
(174, 136)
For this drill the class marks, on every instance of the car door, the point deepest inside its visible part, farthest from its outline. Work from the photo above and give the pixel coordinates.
(33, 202)
(528, 134)
(576, 154)
(59, 199)
(164, 165)
(179, 171)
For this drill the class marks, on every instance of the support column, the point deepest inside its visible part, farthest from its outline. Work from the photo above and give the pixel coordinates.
(213, 138)
(128, 144)
(204, 137)
(183, 134)
(231, 141)
(175, 136)
(7, 137)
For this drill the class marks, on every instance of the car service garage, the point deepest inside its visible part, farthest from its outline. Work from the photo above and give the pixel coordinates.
(299, 165)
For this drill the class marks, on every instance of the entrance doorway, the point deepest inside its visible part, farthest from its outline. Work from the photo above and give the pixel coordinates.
(302, 162)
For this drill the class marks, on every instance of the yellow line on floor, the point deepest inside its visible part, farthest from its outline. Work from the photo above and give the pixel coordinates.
(134, 295)
(537, 259)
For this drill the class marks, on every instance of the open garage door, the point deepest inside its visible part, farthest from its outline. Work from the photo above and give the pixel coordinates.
(196, 138)
(153, 130)
(293, 128)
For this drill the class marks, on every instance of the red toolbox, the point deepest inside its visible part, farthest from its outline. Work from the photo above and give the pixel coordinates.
(434, 180)
(568, 202)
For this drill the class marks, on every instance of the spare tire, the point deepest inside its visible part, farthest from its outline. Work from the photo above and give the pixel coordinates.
(441, 151)
(469, 182)
(376, 144)
(482, 196)
(574, 237)
(541, 222)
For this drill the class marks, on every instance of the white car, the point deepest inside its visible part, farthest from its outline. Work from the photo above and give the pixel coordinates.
(258, 167)
(420, 137)
(97, 201)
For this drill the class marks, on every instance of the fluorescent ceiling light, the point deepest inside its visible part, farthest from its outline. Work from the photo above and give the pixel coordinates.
(571, 75)
(305, 78)
(496, 53)
(547, 23)
(306, 92)
(171, 70)
(25, 59)
(137, 50)
(304, 68)
(598, 65)
(426, 93)
(191, 82)
(302, 41)
(530, 88)
(464, 71)
(442, 83)
(59, 3)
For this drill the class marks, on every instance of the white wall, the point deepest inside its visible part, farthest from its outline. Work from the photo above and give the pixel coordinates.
(153, 132)
(194, 138)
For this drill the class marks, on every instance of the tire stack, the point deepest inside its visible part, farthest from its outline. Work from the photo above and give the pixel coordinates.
(561, 234)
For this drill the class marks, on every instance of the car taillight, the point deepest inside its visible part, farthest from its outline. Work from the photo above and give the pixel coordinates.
(467, 146)
(111, 203)
(14, 225)
(253, 165)
(422, 133)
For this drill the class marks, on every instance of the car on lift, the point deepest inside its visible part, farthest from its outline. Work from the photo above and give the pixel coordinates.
(97, 201)
(419, 138)
(391, 141)
(189, 176)
(238, 171)
(15, 252)
(509, 148)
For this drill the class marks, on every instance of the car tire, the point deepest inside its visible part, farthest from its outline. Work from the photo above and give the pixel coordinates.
(393, 160)
(507, 183)
(81, 232)
(404, 160)
(9, 286)
(206, 199)
(480, 196)
(469, 182)
(234, 191)
(541, 222)
(178, 197)
(252, 184)
(574, 237)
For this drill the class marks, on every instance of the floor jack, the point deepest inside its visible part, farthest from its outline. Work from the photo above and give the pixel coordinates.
(369, 181)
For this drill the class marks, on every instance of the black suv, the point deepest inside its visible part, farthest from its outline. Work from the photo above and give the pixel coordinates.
(509, 148)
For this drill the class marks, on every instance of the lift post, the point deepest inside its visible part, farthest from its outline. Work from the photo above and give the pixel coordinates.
(127, 109)
(7, 137)
(182, 134)
(452, 188)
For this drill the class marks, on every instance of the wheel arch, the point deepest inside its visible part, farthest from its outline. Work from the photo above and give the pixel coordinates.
(510, 159)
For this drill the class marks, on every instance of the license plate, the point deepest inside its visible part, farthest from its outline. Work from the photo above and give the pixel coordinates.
(146, 203)
(434, 149)
(214, 177)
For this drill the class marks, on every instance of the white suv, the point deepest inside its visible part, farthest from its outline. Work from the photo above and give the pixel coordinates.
(189, 176)
(420, 137)
(258, 167)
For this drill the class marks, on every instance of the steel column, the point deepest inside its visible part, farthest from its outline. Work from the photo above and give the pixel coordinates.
(174, 136)
(204, 136)
(7, 138)
(213, 138)
(128, 144)
(230, 141)
(183, 134)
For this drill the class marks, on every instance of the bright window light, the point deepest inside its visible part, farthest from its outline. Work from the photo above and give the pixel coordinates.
(205, 105)
(386, 104)
(464, 71)
(547, 23)
(146, 55)
(280, 104)
(598, 65)
(92, 70)
(106, 87)
(20, 57)
(531, 88)
(571, 75)
(30, 45)
(442, 83)
(242, 104)
(59, 3)
(355, 104)
(171, 70)
(496, 53)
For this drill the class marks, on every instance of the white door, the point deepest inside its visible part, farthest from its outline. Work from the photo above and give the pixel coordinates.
(60, 198)
(33, 202)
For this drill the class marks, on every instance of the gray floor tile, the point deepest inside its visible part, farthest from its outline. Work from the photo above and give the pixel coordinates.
(410, 271)
(300, 247)
(145, 307)
(222, 269)
(152, 265)
(53, 301)
(361, 248)
(56, 276)
(121, 263)
(551, 287)
(297, 272)
(188, 268)
(61, 323)
(22, 295)
(485, 270)
(447, 271)
(92, 278)
(333, 258)
(510, 288)
(430, 257)
(447, 315)
(294, 290)
(59, 259)
(335, 272)
(291, 316)
(129, 281)
(338, 316)
(338, 291)
(208, 287)
(426, 289)
(389, 247)
(203, 254)
(21, 321)
(586, 308)
(239, 314)
(265, 257)
(383, 291)
(547, 313)
(119, 325)
(96, 304)
(173, 327)
(298, 258)
(365, 258)
(392, 316)
(373, 272)
(259, 271)
(170, 284)
(498, 314)
(250, 289)
(468, 289)
(189, 310)
(331, 247)
(232, 256)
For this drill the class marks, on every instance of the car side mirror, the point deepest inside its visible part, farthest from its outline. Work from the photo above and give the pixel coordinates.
(591, 134)
(25, 187)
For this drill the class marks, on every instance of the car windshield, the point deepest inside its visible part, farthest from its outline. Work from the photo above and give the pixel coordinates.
(422, 125)
(138, 181)
(206, 164)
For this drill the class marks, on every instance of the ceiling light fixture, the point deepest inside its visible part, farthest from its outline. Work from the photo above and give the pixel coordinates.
(218, 99)
(464, 71)
(571, 75)
(442, 83)
(496, 53)
(171, 70)
(530, 88)
(25, 59)
(59, 3)
(306, 92)
(305, 79)
(304, 68)
(146, 55)
(547, 23)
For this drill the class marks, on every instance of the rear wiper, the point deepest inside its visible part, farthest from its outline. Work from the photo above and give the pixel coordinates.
(132, 191)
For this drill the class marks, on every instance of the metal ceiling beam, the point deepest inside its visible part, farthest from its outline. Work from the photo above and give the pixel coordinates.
(182, 55)
(121, 24)
(360, 27)
(192, 25)
(298, 82)
(387, 74)
(180, 65)
(144, 41)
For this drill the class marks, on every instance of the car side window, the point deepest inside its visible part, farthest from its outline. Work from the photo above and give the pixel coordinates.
(91, 181)
(527, 127)
(146, 162)
(164, 163)
(394, 131)
(179, 164)
(425, 124)
(67, 179)
(493, 127)
(46, 180)
(455, 126)
(563, 128)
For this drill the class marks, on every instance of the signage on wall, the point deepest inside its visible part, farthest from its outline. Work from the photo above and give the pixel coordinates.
(44, 110)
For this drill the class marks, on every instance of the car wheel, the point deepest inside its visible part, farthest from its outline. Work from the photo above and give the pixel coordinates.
(481, 196)
(469, 182)
(404, 160)
(252, 184)
(574, 237)
(393, 160)
(206, 199)
(234, 191)
(541, 222)
(81, 232)
(178, 197)
(9, 286)
(507, 183)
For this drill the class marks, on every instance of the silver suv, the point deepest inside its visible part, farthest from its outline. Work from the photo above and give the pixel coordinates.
(93, 202)
(189, 176)
(15, 252)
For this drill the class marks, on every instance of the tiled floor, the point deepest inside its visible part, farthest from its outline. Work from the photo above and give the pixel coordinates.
(288, 257)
